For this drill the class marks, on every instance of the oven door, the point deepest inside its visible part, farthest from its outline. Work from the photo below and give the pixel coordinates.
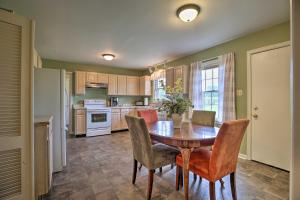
(98, 119)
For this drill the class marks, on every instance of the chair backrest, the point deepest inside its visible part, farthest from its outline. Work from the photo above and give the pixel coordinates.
(224, 156)
(149, 115)
(140, 139)
(203, 117)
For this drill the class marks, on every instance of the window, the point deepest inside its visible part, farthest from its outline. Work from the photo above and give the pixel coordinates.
(210, 88)
(159, 88)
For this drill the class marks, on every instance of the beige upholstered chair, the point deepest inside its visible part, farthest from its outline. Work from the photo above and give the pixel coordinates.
(205, 118)
(150, 156)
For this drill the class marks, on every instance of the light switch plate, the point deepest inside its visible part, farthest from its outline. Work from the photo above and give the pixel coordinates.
(239, 93)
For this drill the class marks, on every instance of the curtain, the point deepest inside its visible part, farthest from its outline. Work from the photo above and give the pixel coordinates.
(226, 104)
(195, 88)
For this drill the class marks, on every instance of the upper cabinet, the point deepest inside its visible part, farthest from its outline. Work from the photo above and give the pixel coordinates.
(80, 79)
(145, 86)
(133, 85)
(173, 74)
(112, 84)
(122, 85)
(92, 77)
(102, 78)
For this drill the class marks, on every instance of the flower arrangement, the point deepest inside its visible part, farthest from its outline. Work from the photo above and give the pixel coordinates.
(175, 102)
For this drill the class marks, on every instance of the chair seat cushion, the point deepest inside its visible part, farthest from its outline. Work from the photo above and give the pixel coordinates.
(163, 155)
(199, 162)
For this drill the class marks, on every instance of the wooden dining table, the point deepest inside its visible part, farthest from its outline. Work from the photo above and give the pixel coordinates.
(186, 139)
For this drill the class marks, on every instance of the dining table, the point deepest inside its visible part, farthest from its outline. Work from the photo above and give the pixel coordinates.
(186, 138)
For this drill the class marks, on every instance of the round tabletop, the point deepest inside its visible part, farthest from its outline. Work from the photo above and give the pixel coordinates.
(188, 136)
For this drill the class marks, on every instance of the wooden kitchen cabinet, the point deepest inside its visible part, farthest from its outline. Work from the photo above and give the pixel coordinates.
(43, 156)
(123, 123)
(92, 77)
(122, 85)
(115, 119)
(112, 84)
(133, 83)
(170, 77)
(102, 78)
(145, 86)
(80, 122)
(80, 79)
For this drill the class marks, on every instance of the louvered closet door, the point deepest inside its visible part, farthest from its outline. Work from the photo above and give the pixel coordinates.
(15, 108)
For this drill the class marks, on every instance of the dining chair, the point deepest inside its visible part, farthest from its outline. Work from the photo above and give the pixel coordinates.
(221, 161)
(152, 156)
(204, 118)
(150, 116)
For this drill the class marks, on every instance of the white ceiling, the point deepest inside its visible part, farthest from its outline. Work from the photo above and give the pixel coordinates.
(140, 33)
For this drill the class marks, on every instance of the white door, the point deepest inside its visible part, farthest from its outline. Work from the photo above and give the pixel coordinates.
(270, 106)
(16, 126)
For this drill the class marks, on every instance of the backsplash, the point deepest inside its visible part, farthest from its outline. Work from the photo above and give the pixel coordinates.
(96, 93)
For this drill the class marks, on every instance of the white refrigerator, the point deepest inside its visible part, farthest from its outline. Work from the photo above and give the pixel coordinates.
(49, 99)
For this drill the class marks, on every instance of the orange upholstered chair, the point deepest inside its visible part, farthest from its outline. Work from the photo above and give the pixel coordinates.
(149, 116)
(221, 161)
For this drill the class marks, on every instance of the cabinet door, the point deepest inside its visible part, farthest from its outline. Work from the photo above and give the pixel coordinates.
(92, 77)
(145, 86)
(112, 84)
(115, 121)
(102, 78)
(133, 83)
(80, 124)
(178, 74)
(80, 83)
(122, 85)
(170, 77)
(123, 122)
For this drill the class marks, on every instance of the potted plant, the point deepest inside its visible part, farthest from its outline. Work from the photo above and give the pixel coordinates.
(175, 103)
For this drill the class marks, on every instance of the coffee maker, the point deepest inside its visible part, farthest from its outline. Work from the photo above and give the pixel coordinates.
(114, 101)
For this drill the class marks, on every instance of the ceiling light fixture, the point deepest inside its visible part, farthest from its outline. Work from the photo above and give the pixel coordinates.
(108, 56)
(188, 12)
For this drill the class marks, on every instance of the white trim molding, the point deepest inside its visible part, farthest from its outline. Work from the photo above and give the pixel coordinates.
(243, 156)
(249, 89)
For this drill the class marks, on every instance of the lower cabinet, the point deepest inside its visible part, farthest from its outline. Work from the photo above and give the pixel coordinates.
(115, 120)
(43, 157)
(80, 122)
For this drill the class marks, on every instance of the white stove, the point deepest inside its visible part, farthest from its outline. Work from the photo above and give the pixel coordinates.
(98, 118)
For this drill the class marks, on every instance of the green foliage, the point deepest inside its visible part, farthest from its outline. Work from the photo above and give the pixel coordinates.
(175, 102)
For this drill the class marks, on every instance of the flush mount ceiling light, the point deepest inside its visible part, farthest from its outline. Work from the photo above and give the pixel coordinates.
(188, 12)
(107, 56)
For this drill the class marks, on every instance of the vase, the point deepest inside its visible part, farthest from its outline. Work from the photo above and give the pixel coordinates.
(177, 120)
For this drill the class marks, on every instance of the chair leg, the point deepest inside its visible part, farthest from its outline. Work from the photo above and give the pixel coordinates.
(200, 178)
(150, 183)
(195, 177)
(172, 166)
(233, 185)
(134, 171)
(140, 167)
(160, 170)
(222, 183)
(212, 191)
(177, 177)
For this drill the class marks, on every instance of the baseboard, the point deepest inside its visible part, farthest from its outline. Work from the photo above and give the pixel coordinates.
(243, 156)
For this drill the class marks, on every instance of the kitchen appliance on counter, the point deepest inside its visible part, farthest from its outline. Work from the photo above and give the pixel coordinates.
(49, 100)
(98, 117)
(114, 101)
(139, 103)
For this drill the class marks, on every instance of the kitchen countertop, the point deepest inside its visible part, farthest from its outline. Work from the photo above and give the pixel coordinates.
(120, 107)
(42, 119)
(77, 107)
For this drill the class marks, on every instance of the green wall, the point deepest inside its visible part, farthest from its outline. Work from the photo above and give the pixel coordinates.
(95, 93)
(240, 46)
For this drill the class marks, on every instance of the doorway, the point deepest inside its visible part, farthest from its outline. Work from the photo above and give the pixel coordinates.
(269, 105)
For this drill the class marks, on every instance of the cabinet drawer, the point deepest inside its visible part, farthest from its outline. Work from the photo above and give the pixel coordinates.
(80, 112)
(125, 110)
(115, 110)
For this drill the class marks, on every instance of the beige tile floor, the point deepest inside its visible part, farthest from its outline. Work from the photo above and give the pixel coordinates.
(100, 168)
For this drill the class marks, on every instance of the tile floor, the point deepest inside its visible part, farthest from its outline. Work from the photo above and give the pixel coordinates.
(100, 168)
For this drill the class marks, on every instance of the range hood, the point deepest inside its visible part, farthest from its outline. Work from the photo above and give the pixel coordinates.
(96, 85)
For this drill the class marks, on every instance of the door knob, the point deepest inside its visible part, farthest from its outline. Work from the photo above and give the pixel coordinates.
(255, 108)
(255, 116)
